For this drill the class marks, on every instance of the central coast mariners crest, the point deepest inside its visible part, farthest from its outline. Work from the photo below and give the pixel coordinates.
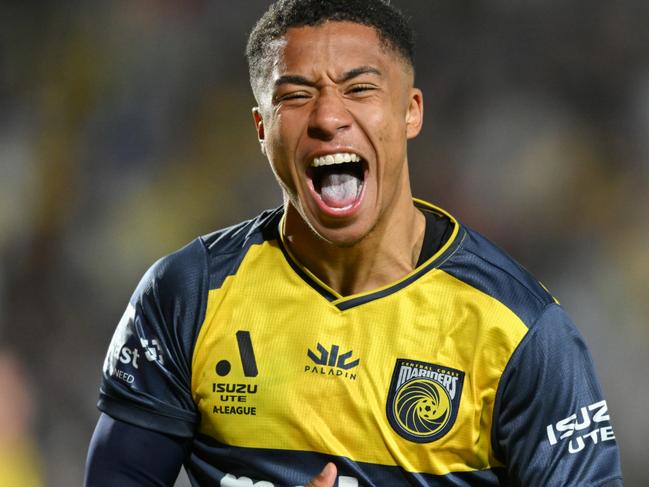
(423, 399)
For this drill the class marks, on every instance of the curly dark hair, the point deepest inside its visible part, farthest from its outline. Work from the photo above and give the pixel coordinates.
(390, 24)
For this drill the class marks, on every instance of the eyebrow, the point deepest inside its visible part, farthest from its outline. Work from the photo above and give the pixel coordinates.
(295, 79)
(353, 73)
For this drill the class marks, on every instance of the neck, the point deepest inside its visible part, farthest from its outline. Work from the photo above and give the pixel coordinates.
(386, 254)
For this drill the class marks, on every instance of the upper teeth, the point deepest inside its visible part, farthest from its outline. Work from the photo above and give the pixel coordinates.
(338, 158)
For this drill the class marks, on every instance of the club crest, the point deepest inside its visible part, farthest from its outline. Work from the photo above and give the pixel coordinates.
(423, 400)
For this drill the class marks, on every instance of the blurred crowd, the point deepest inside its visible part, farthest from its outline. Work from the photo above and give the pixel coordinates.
(125, 131)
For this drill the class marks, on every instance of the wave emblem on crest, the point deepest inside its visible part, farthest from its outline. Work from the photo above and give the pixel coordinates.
(423, 400)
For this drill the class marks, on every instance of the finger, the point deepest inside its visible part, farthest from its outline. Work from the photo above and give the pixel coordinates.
(326, 478)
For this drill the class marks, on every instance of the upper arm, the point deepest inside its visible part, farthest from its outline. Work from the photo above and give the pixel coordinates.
(125, 455)
(552, 425)
(147, 371)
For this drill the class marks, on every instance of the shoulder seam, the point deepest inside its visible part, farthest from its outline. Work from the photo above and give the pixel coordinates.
(200, 313)
(532, 292)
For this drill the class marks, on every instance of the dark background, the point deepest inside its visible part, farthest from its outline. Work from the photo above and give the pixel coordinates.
(125, 131)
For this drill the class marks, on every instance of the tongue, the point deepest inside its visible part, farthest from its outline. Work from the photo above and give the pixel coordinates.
(339, 190)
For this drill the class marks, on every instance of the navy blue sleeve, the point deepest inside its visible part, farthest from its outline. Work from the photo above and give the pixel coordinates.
(551, 421)
(147, 371)
(123, 455)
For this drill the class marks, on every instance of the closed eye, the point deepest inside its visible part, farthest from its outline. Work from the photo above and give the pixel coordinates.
(296, 95)
(361, 88)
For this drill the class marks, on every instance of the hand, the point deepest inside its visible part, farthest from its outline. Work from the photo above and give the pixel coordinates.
(326, 478)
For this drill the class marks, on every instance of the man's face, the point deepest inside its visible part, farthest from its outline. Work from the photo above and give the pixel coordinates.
(334, 118)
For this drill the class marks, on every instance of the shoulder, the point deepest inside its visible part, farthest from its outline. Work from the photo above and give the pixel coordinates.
(171, 275)
(226, 248)
(234, 238)
(147, 370)
(173, 293)
(482, 265)
(215, 254)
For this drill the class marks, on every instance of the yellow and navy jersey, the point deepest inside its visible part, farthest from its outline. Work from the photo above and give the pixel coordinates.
(464, 372)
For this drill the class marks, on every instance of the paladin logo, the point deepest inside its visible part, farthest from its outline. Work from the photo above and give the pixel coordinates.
(330, 362)
(423, 400)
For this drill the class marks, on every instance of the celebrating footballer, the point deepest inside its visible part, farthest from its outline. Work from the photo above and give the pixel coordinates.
(355, 335)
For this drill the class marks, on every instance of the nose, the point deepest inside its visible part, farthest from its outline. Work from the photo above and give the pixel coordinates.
(329, 115)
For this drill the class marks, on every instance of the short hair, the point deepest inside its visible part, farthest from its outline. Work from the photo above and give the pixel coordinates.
(390, 24)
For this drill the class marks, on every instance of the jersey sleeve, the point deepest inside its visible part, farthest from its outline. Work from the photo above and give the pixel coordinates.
(147, 371)
(551, 424)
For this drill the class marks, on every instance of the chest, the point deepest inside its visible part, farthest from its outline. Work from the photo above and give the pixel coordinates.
(408, 380)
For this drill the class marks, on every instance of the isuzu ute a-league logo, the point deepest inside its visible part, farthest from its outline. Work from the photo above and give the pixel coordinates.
(423, 400)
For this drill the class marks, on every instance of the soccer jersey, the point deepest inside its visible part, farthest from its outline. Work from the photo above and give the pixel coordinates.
(464, 372)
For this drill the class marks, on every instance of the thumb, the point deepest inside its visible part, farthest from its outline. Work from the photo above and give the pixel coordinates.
(326, 478)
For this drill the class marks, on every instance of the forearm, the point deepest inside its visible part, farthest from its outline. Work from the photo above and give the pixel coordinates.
(123, 455)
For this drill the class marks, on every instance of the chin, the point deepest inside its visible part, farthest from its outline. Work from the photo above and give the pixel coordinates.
(342, 237)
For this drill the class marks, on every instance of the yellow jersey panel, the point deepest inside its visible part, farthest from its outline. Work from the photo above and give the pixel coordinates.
(440, 320)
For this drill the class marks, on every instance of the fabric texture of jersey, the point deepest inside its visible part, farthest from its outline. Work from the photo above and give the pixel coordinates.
(464, 372)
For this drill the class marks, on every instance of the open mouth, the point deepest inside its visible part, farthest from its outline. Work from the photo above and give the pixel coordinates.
(338, 179)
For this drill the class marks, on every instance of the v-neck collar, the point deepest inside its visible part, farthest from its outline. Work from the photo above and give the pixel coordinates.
(346, 302)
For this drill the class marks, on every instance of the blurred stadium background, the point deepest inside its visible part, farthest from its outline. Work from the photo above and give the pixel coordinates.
(125, 131)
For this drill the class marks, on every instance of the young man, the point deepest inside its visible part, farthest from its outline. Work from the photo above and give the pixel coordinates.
(354, 328)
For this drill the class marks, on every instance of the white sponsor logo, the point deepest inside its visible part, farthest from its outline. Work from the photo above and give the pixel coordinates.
(119, 352)
(447, 380)
(573, 425)
(152, 350)
(128, 378)
(231, 481)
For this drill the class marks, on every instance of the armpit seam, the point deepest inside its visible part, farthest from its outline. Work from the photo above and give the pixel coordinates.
(513, 357)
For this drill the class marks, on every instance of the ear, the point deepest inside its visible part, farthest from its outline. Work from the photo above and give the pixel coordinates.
(259, 125)
(415, 113)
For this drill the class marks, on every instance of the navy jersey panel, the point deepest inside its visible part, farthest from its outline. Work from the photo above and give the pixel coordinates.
(147, 370)
(550, 378)
(487, 268)
(552, 424)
